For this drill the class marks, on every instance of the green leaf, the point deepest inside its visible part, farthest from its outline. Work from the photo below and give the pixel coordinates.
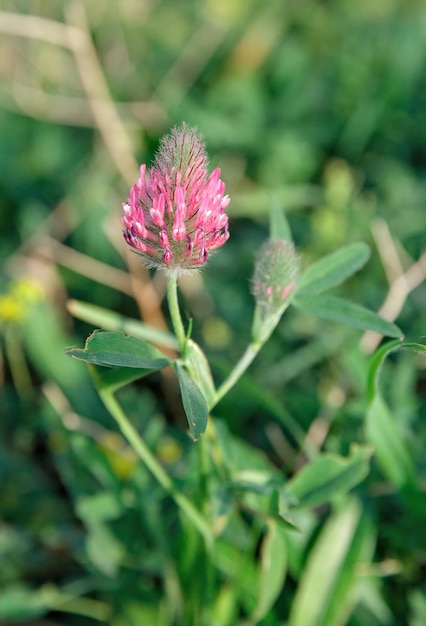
(258, 481)
(113, 378)
(194, 403)
(346, 589)
(417, 601)
(18, 603)
(273, 569)
(109, 320)
(262, 494)
(327, 476)
(90, 454)
(329, 560)
(344, 312)
(115, 349)
(278, 225)
(99, 507)
(103, 548)
(379, 357)
(225, 609)
(45, 343)
(333, 269)
(382, 430)
(199, 369)
(238, 566)
(390, 449)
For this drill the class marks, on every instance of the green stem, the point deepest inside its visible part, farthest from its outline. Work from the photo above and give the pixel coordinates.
(239, 369)
(172, 298)
(155, 468)
(205, 564)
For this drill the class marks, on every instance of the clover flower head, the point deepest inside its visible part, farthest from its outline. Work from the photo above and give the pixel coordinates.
(175, 216)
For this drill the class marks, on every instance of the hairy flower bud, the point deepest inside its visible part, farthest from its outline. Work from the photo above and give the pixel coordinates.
(176, 216)
(274, 281)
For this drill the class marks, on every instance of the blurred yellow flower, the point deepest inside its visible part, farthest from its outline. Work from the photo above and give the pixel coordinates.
(122, 458)
(16, 302)
(11, 309)
(169, 451)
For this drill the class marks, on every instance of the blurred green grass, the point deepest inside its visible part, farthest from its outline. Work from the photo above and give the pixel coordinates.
(318, 104)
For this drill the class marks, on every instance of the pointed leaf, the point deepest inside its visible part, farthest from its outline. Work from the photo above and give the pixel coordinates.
(273, 569)
(278, 225)
(382, 429)
(325, 567)
(193, 401)
(346, 591)
(379, 357)
(333, 269)
(391, 451)
(115, 349)
(345, 312)
(327, 476)
(199, 368)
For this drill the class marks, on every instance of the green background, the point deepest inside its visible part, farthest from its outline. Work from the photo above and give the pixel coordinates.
(317, 106)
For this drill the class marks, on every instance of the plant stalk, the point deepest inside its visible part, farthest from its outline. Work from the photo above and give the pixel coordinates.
(172, 298)
(154, 466)
(239, 369)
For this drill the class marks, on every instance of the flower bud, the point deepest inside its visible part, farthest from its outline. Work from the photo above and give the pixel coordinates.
(274, 281)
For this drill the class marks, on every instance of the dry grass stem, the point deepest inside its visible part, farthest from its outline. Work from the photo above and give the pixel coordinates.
(83, 264)
(104, 112)
(76, 111)
(401, 283)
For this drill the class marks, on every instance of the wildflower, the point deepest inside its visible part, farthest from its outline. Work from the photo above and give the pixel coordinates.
(273, 285)
(16, 303)
(176, 216)
(11, 309)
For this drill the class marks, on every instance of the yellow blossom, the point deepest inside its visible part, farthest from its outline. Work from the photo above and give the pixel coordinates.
(11, 309)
